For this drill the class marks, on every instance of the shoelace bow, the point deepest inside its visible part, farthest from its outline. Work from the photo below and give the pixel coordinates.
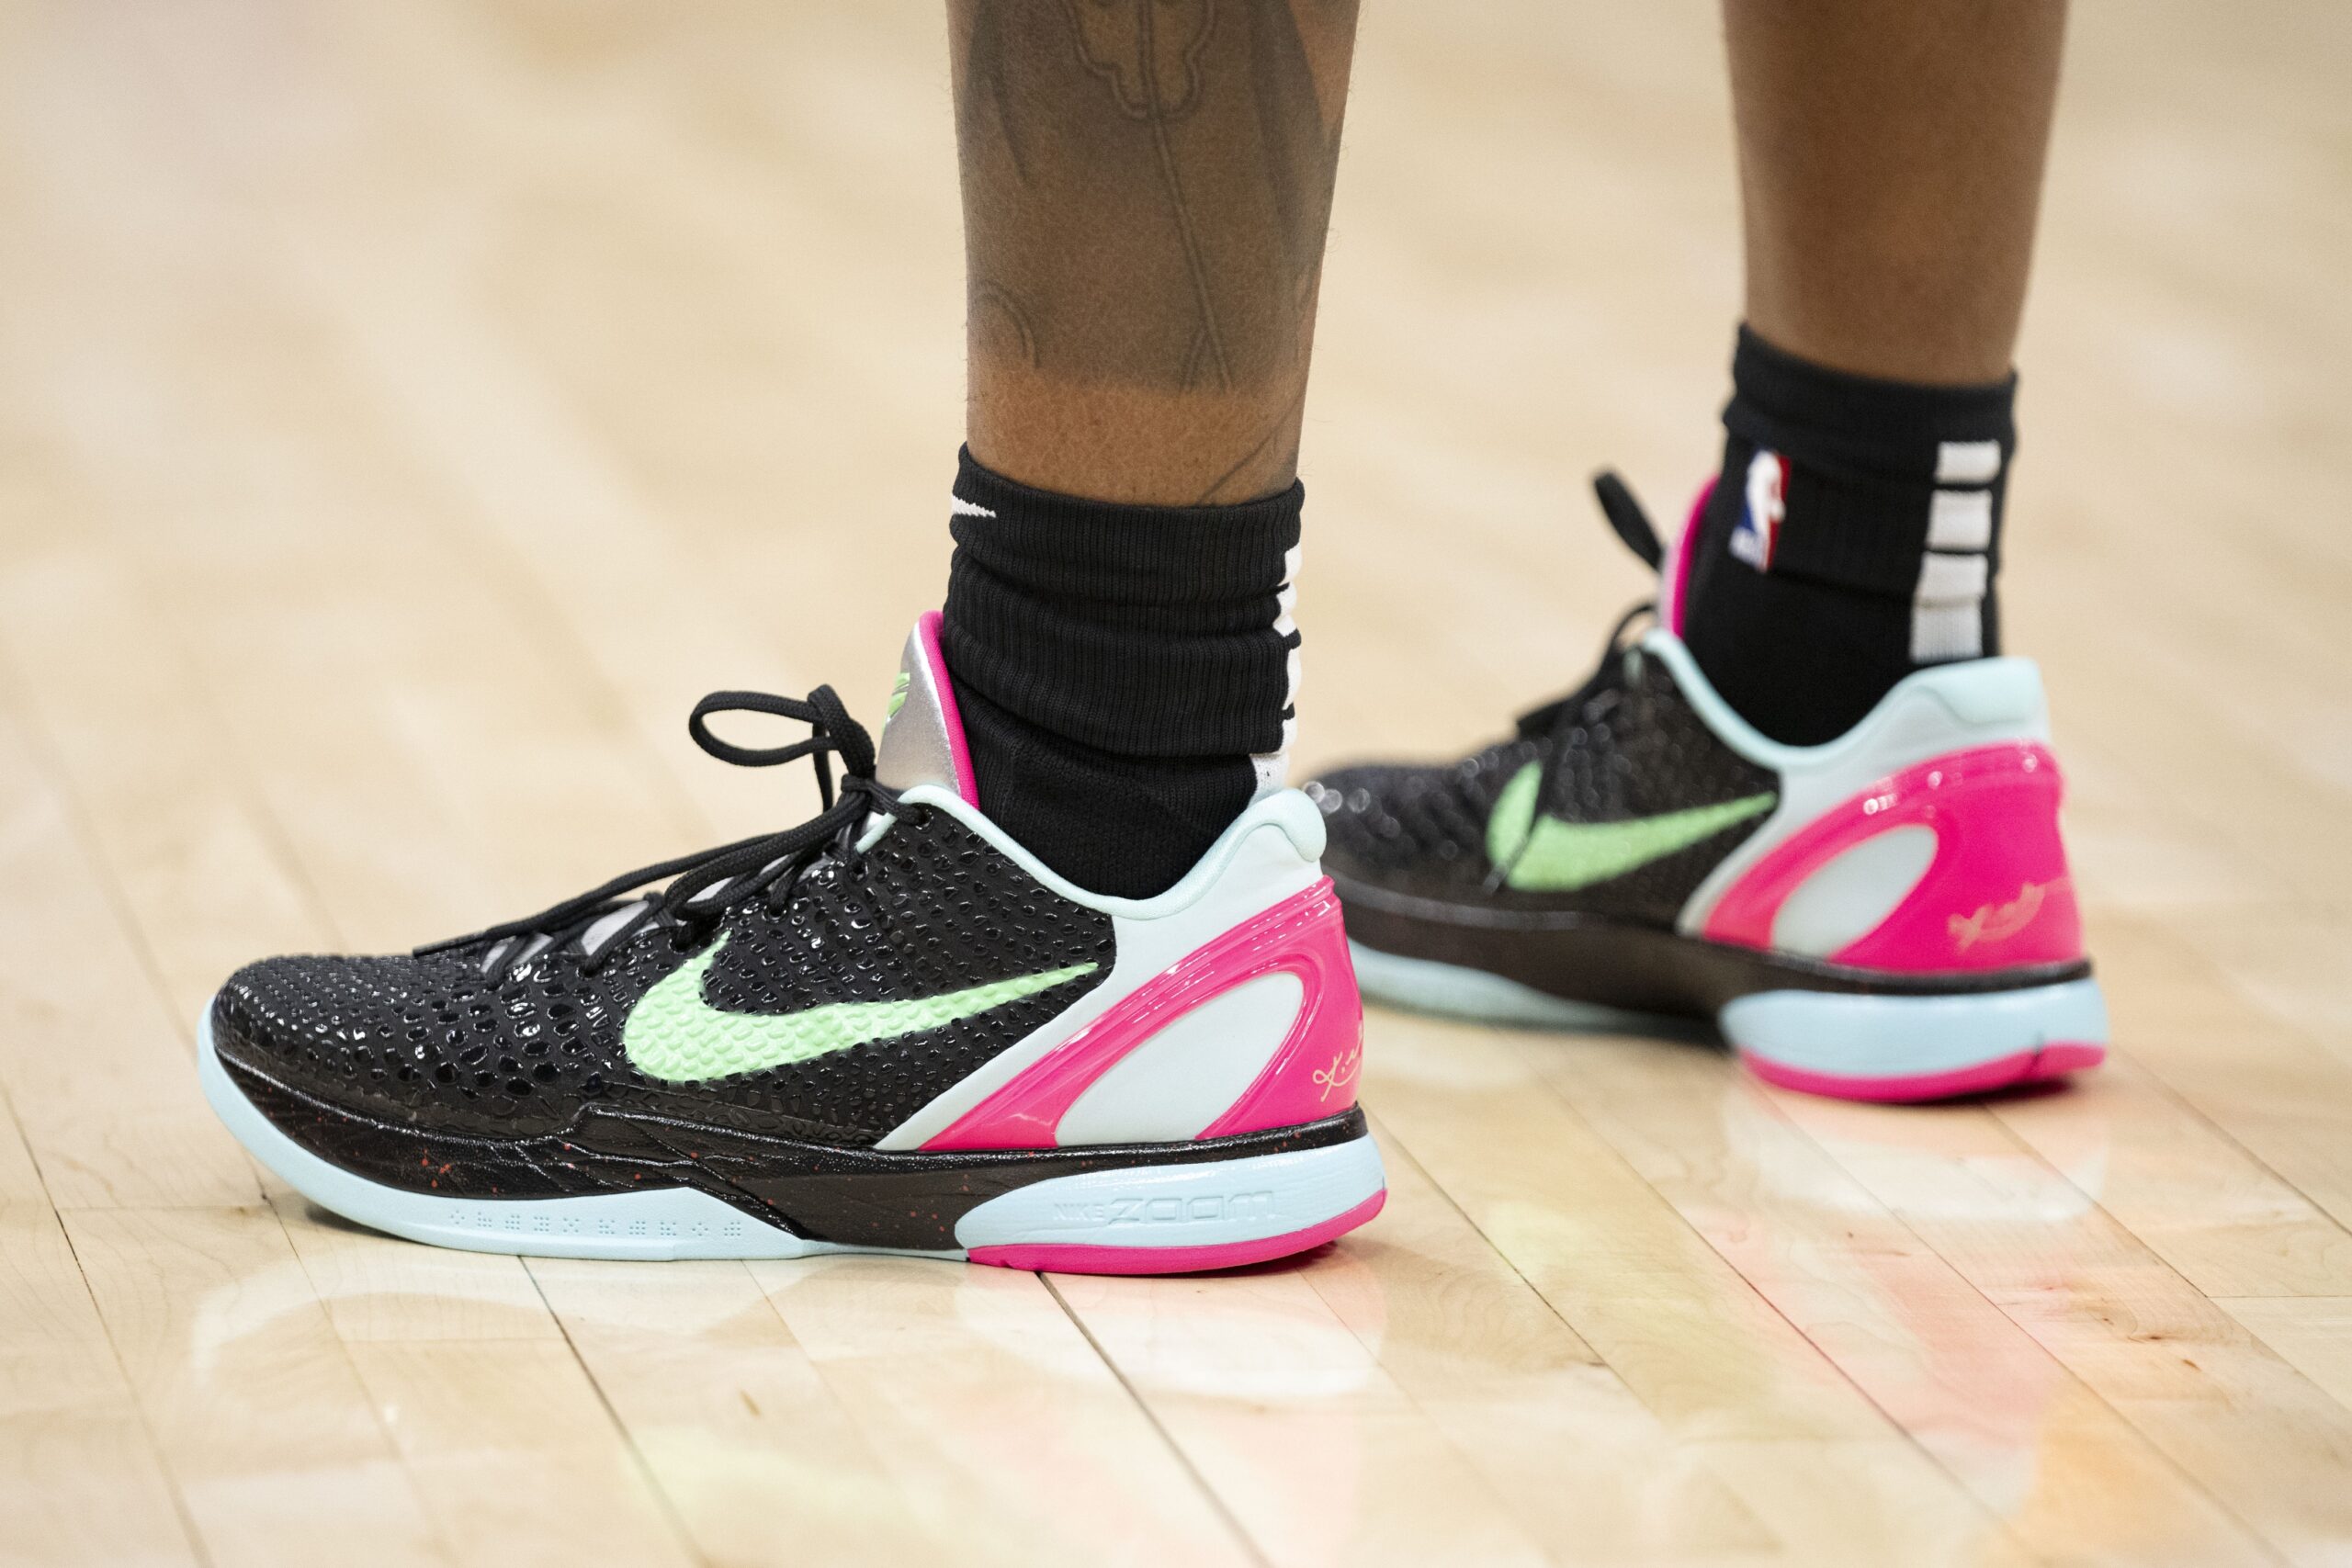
(752, 866)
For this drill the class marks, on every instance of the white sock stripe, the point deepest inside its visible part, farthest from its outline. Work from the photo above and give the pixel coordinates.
(1285, 602)
(1942, 632)
(1960, 520)
(1947, 605)
(1272, 768)
(1287, 597)
(1967, 462)
(1946, 579)
(1947, 608)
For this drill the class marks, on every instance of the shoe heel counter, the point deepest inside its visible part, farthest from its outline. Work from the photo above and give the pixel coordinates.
(1197, 1049)
(1312, 1073)
(1954, 863)
(1232, 1008)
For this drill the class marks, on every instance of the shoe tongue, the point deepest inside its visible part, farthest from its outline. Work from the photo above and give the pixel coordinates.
(923, 738)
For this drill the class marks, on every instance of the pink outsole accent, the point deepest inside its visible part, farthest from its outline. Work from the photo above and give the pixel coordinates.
(1994, 896)
(968, 783)
(1678, 564)
(1079, 1257)
(2055, 1060)
(1311, 1074)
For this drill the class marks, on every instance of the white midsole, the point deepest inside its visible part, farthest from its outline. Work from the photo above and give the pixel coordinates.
(1209, 1202)
(1426, 985)
(1851, 1036)
(1840, 1033)
(670, 1223)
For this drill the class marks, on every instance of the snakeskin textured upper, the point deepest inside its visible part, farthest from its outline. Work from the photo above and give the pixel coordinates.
(1627, 746)
(436, 1041)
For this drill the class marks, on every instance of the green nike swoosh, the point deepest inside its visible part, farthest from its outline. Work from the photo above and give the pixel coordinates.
(674, 1035)
(1548, 855)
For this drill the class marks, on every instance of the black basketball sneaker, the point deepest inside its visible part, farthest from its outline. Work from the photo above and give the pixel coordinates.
(1887, 916)
(889, 1028)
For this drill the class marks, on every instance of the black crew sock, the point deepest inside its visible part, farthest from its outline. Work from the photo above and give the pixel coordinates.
(1853, 538)
(1120, 670)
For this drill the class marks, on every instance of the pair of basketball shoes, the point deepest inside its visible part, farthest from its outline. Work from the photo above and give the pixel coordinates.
(894, 1028)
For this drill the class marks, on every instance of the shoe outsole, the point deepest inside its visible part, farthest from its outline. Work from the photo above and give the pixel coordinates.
(1911, 1048)
(2043, 1063)
(1843, 1045)
(1143, 1219)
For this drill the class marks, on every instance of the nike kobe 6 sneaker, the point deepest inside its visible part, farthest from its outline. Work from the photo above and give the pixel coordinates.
(888, 1029)
(1887, 916)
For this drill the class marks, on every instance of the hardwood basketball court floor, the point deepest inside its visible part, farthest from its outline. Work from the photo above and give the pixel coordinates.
(406, 410)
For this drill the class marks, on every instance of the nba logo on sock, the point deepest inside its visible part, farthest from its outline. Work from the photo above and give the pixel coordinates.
(1759, 520)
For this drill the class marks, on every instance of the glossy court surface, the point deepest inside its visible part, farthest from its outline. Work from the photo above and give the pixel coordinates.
(407, 410)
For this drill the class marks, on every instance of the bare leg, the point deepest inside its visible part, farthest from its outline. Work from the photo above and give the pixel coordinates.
(1891, 156)
(1146, 188)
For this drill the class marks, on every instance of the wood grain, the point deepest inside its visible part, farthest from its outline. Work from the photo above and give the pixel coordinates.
(406, 411)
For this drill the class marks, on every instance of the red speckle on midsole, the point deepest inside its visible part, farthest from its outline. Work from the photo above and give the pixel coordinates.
(1069, 1257)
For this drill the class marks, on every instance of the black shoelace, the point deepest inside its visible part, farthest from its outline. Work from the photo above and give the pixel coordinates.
(705, 883)
(1553, 725)
(1632, 525)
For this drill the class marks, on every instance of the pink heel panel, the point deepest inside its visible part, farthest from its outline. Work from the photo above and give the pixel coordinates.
(1302, 936)
(1996, 894)
(1312, 1073)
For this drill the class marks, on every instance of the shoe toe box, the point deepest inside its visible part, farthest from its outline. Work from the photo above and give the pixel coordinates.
(379, 1034)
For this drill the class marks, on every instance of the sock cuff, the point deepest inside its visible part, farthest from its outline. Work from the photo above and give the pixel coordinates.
(1865, 426)
(1872, 476)
(1117, 553)
(1143, 631)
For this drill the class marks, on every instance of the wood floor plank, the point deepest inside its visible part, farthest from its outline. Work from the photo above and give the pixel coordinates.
(278, 1453)
(1724, 1371)
(375, 1286)
(1273, 1400)
(2275, 1090)
(2198, 1200)
(658, 613)
(411, 409)
(114, 670)
(517, 1454)
(90, 1056)
(2288, 959)
(984, 1399)
(1581, 1464)
(2035, 1445)
(2312, 1334)
(734, 1420)
(66, 1413)
(2238, 1420)
(180, 830)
